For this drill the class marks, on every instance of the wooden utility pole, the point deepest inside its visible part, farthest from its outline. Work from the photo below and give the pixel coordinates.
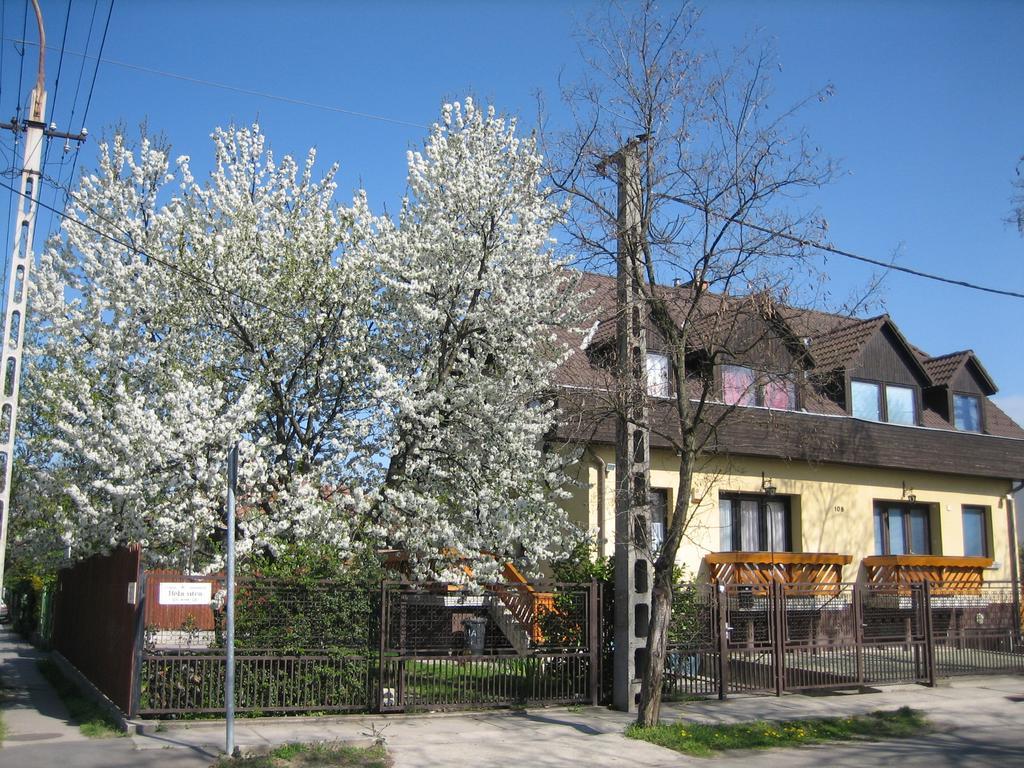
(33, 130)
(633, 572)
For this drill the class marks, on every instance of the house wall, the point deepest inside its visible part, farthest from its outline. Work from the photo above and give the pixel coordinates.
(832, 505)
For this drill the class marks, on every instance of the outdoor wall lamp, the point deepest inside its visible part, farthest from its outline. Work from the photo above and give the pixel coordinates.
(767, 486)
(908, 493)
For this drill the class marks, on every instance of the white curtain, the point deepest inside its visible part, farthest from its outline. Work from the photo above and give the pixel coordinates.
(749, 525)
(725, 524)
(776, 526)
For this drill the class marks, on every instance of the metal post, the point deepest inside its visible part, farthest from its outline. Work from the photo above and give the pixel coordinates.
(723, 642)
(858, 631)
(594, 641)
(777, 598)
(382, 645)
(929, 634)
(1014, 554)
(229, 671)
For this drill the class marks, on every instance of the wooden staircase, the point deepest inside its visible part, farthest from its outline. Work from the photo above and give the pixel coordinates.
(519, 608)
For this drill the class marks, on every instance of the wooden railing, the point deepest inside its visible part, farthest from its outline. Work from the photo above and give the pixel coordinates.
(820, 571)
(948, 575)
(525, 603)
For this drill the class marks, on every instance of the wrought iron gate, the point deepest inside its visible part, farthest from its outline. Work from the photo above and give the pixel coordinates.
(447, 648)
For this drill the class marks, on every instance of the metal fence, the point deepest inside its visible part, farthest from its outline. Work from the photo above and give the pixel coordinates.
(299, 646)
(791, 637)
(332, 647)
(335, 646)
(509, 644)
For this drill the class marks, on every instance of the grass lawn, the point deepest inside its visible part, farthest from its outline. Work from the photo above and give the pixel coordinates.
(312, 756)
(705, 740)
(92, 720)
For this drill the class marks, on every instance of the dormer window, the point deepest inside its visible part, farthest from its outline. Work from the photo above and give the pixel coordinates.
(898, 405)
(967, 413)
(740, 386)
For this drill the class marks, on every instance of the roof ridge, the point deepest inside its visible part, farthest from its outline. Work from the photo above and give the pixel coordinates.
(950, 354)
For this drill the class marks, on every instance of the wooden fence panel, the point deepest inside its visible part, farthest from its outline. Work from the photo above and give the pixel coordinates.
(95, 622)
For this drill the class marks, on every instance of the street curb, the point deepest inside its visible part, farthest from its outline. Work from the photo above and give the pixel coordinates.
(151, 727)
(85, 685)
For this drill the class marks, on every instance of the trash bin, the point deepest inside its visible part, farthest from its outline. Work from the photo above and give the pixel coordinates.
(475, 632)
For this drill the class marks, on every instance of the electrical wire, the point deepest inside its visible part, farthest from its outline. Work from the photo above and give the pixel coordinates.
(17, 140)
(53, 112)
(805, 242)
(92, 86)
(247, 91)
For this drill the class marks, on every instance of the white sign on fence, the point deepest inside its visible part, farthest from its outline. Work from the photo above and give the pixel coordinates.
(185, 593)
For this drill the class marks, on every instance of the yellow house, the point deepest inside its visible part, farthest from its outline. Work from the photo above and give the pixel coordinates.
(860, 459)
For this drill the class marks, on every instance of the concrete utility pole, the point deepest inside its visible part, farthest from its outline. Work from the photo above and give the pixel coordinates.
(633, 572)
(34, 130)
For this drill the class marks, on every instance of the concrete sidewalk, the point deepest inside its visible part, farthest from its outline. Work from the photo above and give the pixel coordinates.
(32, 710)
(979, 721)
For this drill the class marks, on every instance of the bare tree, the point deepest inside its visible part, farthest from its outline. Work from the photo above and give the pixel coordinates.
(716, 251)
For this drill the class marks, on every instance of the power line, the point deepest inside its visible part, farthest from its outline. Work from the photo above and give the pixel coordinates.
(99, 58)
(92, 86)
(53, 111)
(805, 242)
(214, 289)
(246, 91)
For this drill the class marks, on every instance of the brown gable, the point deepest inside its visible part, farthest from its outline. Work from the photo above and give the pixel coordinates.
(944, 370)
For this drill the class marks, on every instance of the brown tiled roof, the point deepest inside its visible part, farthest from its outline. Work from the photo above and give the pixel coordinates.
(840, 347)
(835, 341)
(942, 368)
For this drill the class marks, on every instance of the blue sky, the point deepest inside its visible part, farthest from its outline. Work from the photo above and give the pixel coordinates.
(927, 119)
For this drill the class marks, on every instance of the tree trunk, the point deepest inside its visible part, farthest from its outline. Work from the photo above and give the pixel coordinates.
(649, 711)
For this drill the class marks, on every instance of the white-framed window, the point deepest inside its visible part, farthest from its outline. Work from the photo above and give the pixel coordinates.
(658, 375)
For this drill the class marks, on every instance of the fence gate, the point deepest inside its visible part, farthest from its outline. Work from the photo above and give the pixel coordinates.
(443, 647)
(750, 638)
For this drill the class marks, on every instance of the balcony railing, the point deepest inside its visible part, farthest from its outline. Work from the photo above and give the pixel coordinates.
(821, 571)
(948, 575)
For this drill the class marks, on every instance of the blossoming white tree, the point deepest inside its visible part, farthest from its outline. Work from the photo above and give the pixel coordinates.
(471, 297)
(167, 323)
(389, 378)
